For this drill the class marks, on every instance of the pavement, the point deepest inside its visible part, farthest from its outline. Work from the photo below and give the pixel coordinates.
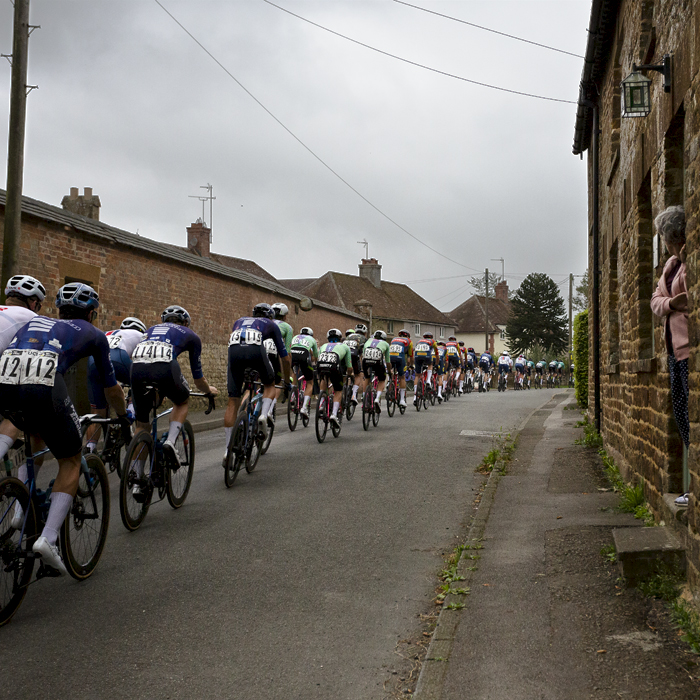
(546, 616)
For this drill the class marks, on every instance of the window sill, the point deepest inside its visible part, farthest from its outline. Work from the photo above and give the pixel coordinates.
(644, 366)
(612, 369)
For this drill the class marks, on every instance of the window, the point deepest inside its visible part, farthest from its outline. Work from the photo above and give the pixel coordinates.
(442, 331)
(416, 328)
(390, 326)
(503, 333)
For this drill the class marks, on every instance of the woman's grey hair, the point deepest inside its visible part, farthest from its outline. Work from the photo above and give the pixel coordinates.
(670, 224)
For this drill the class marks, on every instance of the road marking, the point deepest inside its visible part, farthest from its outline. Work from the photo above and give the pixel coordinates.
(479, 433)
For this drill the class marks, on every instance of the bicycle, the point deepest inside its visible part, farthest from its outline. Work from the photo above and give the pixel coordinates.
(296, 401)
(469, 382)
(324, 407)
(393, 394)
(502, 381)
(83, 532)
(110, 444)
(370, 409)
(146, 470)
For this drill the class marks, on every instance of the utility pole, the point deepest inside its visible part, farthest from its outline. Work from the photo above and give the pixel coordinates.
(486, 306)
(571, 316)
(15, 144)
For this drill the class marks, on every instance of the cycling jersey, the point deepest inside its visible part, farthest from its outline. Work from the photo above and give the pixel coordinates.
(356, 341)
(12, 318)
(454, 356)
(304, 350)
(471, 360)
(400, 352)
(442, 356)
(486, 361)
(504, 360)
(426, 348)
(375, 355)
(287, 333)
(164, 342)
(334, 359)
(124, 339)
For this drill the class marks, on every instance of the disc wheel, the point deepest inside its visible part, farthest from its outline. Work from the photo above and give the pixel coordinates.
(293, 409)
(139, 458)
(178, 478)
(366, 409)
(270, 432)
(84, 530)
(235, 452)
(15, 571)
(321, 416)
(391, 400)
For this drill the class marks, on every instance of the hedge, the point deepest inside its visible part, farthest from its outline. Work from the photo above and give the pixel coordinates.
(581, 358)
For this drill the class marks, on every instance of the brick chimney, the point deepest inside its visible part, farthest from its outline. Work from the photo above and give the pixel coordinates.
(501, 291)
(199, 238)
(371, 270)
(87, 204)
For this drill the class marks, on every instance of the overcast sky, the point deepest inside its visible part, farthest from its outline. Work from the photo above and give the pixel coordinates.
(130, 105)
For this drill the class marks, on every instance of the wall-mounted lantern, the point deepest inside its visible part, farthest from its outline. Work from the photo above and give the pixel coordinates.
(636, 88)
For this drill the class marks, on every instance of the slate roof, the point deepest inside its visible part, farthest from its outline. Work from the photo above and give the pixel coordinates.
(470, 316)
(82, 224)
(390, 301)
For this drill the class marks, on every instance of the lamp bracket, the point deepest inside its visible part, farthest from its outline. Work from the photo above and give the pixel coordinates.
(663, 68)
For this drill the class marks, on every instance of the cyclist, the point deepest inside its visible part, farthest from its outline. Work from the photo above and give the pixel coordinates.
(246, 350)
(471, 363)
(425, 353)
(560, 368)
(304, 354)
(335, 360)
(520, 364)
(356, 341)
(463, 365)
(23, 298)
(280, 310)
(401, 354)
(486, 363)
(46, 348)
(553, 370)
(441, 368)
(454, 358)
(505, 364)
(154, 363)
(375, 354)
(529, 366)
(122, 343)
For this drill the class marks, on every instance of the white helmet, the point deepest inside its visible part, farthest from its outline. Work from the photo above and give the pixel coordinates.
(307, 331)
(334, 333)
(281, 310)
(26, 286)
(380, 335)
(361, 328)
(131, 323)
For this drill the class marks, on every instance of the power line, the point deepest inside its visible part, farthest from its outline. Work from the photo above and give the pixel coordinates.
(418, 65)
(486, 29)
(301, 143)
(450, 293)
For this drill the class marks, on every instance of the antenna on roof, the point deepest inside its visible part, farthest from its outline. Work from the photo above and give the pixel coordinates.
(366, 245)
(210, 198)
(503, 267)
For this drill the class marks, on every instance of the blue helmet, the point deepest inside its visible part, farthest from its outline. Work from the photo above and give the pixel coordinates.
(78, 295)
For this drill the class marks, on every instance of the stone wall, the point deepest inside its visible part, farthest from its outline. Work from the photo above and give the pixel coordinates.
(647, 164)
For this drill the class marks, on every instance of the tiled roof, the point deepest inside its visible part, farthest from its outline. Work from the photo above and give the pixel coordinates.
(391, 301)
(58, 215)
(298, 284)
(470, 316)
(241, 264)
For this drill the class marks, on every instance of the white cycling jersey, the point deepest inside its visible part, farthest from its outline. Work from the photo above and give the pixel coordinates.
(505, 360)
(124, 339)
(522, 360)
(12, 318)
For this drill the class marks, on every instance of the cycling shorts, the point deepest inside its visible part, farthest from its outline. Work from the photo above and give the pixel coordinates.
(301, 358)
(243, 357)
(484, 365)
(332, 370)
(503, 369)
(46, 411)
(421, 363)
(165, 377)
(276, 367)
(520, 368)
(539, 370)
(356, 362)
(453, 361)
(470, 364)
(122, 369)
(377, 367)
(399, 364)
(440, 366)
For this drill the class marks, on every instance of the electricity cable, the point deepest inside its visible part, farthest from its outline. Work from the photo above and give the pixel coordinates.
(301, 143)
(419, 65)
(486, 29)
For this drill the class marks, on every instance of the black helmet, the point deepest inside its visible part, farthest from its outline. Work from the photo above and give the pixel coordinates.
(263, 310)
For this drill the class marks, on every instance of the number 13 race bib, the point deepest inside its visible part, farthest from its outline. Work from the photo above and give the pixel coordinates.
(152, 351)
(28, 367)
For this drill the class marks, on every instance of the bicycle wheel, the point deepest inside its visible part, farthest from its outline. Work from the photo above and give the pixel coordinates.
(349, 406)
(270, 431)
(293, 409)
(136, 474)
(375, 414)
(366, 409)
(322, 416)
(15, 570)
(390, 400)
(254, 448)
(335, 429)
(84, 531)
(418, 399)
(235, 452)
(179, 479)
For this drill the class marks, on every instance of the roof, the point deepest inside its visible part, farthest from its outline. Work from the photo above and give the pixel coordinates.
(601, 32)
(298, 284)
(470, 316)
(391, 300)
(92, 227)
(241, 264)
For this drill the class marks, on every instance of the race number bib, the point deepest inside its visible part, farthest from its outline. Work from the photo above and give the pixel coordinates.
(270, 347)
(28, 367)
(152, 351)
(395, 349)
(246, 336)
(328, 358)
(452, 350)
(352, 344)
(423, 348)
(373, 354)
(115, 342)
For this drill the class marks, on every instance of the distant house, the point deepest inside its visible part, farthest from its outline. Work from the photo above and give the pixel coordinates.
(390, 306)
(470, 319)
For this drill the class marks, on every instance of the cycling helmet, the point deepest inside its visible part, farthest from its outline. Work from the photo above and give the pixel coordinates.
(428, 336)
(403, 333)
(441, 342)
(349, 332)
(307, 331)
(131, 323)
(81, 296)
(263, 310)
(470, 349)
(334, 334)
(176, 313)
(26, 286)
(281, 310)
(380, 335)
(361, 328)
(452, 339)
(461, 343)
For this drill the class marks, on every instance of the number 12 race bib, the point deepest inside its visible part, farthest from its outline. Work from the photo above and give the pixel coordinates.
(28, 367)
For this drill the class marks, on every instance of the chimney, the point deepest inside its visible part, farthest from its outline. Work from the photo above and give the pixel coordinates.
(199, 238)
(87, 204)
(372, 271)
(501, 291)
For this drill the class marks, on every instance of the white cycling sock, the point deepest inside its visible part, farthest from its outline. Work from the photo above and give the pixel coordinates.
(379, 396)
(266, 406)
(440, 391)
(174, 431)
(22, 476)
(59, 508)
(274, 403)
(307, 401)
(355, 390)
(92, 446)
(402, 394)
(430, 374)
(229, 432)
(336, 406)
(461, 384)
(444, 383)
(5, 443)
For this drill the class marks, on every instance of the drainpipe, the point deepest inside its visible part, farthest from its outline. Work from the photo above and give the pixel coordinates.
(595, 289)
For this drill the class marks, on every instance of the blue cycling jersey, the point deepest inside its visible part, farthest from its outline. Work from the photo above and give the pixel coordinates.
(71, 340)
(182, 339)
(471, 357)
(254, 331)
(485, 357)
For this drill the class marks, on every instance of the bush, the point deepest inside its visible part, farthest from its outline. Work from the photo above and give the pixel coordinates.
(581, 358)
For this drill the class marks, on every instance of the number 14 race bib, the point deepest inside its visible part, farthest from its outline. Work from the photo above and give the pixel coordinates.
(28, 367)
(152, 351)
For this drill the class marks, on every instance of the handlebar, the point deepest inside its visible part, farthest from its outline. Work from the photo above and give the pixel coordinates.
(212, 400)
(94, 418)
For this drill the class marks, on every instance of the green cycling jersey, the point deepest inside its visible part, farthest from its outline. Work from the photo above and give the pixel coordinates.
(341, 350)
(287, 334)
(382, 346)
(308, 342)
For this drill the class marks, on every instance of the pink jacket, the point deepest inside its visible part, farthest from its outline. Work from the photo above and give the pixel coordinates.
(677, 320)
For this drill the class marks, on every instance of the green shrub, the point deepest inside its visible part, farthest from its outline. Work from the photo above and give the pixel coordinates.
(581, 358)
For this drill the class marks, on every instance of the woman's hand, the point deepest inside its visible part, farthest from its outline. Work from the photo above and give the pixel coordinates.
(682, 254)
(679, 302)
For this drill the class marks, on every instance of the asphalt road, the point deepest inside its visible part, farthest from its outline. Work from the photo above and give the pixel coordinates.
(296, 583)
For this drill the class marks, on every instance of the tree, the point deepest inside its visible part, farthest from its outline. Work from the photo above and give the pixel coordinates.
(538, 316)
(580, 301)
(479, 284)
(581, 358)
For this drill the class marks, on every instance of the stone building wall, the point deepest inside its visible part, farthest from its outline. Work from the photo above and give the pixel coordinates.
(647, 164)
